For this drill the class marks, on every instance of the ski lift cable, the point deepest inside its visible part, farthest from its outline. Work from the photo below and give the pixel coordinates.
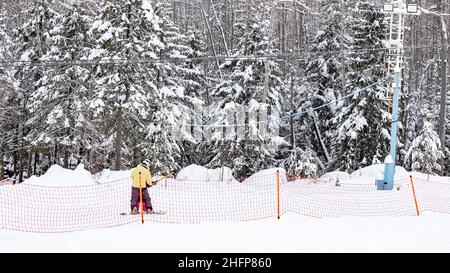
(263, 57)
(268, 121)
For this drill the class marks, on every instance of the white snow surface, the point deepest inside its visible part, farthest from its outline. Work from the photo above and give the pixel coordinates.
(368, 174)
(266, 176)
(199, 173)
(374, 171)
(57, 176)
(293, 234)
(336, 175)
(434, 178)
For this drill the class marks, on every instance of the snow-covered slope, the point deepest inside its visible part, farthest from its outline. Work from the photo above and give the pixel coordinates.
(368, 174)
(109, 175)
(199, 173)
(434, 178)
(266, 176)
(57, 176)
(336, 175)
(375, 171)
(294, 233)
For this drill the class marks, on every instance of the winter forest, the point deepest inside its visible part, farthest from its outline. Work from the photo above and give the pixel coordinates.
(111, 83)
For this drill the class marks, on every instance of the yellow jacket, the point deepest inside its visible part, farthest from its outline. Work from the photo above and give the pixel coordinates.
(146, 177)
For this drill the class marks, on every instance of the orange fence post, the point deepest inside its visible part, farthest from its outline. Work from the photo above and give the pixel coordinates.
(415, 198)
(278, 194)
(141, 206)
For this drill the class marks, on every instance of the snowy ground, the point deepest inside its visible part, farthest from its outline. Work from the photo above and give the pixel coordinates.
(293, 233)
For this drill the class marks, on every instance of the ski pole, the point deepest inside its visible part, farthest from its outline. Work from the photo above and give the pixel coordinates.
(164, 177)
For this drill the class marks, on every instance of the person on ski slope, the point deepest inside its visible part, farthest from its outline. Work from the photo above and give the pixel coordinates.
(144, 182)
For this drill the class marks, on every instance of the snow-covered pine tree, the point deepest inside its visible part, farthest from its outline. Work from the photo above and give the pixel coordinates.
(425, 153)
(31, 43)
(324, 76)
(298, 158)
(144, 103)
(65, 91)
(6, 112)
(429, 98)
(362, 136)
(301, 163)
(412, 116)
(125, 31)
(196, 89)
(243, 91)
(423, 97)
(175, 83)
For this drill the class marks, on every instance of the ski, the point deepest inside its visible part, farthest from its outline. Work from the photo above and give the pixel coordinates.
(138, 214)
(158, 212)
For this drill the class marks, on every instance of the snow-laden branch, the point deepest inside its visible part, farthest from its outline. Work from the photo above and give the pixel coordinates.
(427, 11)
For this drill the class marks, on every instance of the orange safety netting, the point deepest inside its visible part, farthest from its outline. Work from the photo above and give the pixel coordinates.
(64, 209)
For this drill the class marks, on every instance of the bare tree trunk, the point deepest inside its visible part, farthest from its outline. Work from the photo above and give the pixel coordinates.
(296, 27)
(211, 39)
(30, 158)
(56, 157)
(118, 144)
(223, 159)
(285, 35)
(224, 40)
(136, 155)
(267, 67)
(21, 157)
(248, 10)
(226, 20)
(292, 106)
(2, 175)
(187, 18)
(36, 162)
(49, 160)
(319, 136)
(15, 163)
(21, 139)
(232, 27)
(413, 78)
(174, 12)
(81, 155)
(443, 107)
(341, 49)
(66, 157)
(447, 140)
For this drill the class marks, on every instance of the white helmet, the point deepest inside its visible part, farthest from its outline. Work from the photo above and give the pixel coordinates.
(146, 163)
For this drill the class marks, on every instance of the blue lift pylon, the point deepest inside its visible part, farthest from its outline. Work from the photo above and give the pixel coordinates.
(389, 168)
